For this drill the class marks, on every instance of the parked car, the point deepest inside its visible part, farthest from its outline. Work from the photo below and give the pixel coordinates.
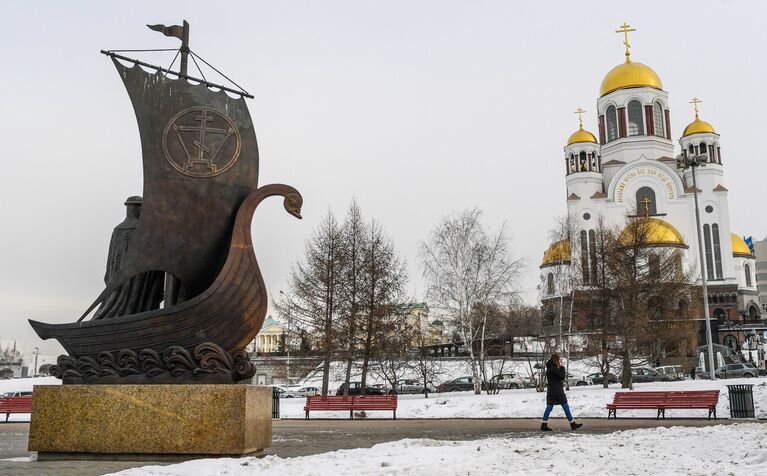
(411, 386)
(282, 392)
(16, 394)
(298, 391)
(507, 381)
(598, 378)
(646, 374)
(744, 370)
(355, 388)
(574, 381)
(457, 385)
(676, 372)
(308, 391)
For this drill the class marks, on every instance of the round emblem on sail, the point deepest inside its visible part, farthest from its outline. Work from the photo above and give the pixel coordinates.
(201, 142)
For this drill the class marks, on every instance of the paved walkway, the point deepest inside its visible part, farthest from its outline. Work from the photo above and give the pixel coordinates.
(301, 437)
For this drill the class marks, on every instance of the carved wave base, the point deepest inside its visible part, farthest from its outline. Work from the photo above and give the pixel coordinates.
(207, 364)
(149, 422)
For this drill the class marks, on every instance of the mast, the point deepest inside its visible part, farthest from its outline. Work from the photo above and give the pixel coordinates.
(170, 295)
(184, 47)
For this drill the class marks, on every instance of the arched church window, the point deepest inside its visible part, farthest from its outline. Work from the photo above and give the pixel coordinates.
(682, 308)
(691, 149)
(636, 119)
(572, 163)
(702, 149)
(717, 251)
(646, 202)
(657, 112)
(583, 163)
(655, 307)
(593, 255)
(654, 266)
(612, 123)
(585, 257)
(550, 284)
(753, 312)
(592, 321)
(719, 314)
(747, 269)
(709, 253)
(677, 261)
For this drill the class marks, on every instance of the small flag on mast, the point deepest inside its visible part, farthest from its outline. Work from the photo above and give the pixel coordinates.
(174, 30)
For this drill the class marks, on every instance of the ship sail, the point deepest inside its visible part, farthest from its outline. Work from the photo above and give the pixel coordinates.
(200, 161)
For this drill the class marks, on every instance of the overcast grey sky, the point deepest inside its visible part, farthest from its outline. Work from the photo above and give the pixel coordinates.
(417, 108)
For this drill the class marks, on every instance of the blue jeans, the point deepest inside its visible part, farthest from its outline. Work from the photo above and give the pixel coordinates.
(565, 407)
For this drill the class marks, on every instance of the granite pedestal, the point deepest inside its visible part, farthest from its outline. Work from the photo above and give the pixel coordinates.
(149, 421)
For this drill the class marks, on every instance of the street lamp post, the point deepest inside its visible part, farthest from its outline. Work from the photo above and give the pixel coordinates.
(684, 162)
(34, 371)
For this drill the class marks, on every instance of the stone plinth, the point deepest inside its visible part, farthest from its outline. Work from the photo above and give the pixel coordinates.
(122, 420)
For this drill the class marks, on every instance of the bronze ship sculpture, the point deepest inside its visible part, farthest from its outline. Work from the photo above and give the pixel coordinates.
(200, 164)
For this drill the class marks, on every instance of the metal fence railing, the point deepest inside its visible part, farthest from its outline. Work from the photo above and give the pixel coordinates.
(275, 404)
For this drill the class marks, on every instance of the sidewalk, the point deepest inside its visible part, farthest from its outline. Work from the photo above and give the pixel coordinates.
(300, 438)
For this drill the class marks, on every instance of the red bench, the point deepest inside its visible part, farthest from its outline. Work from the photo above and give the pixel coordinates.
(10, 405)
(351, 403)
(662, 401)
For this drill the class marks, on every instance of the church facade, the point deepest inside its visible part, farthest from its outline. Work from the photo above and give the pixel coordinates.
(629, 169)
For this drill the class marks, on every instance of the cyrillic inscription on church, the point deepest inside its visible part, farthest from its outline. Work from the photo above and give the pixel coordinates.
(664, 179)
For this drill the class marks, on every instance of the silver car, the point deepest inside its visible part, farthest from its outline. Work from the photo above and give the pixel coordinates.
(403, 387)
(744, 370)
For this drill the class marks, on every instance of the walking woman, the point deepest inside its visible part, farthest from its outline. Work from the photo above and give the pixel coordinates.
(555, 394)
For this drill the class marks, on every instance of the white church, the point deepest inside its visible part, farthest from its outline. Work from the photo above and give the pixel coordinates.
(631, 170)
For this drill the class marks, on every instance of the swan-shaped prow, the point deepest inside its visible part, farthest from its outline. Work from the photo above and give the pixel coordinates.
(292, 203)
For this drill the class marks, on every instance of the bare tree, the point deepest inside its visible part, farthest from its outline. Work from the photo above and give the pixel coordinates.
(597, 296)
(465, 266)
(391, 349)
(385, 279)
(635, 285)
(426, 368)
(353, 243)
(314, 283)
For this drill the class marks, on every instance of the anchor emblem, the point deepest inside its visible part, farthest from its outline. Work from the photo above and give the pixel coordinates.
(201, 142)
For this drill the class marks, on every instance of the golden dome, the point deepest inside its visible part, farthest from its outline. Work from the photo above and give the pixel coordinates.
(739, 247)
(698, 127)
(655, 233)
(581, 135)
(630, 75)
(559, 251)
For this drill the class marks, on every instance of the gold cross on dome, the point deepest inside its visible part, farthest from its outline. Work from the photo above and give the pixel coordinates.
(695, 102)
(580, 112)
(625, 29)
(646, 201)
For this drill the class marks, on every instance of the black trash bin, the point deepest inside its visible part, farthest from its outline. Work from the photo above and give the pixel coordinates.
(741, 401)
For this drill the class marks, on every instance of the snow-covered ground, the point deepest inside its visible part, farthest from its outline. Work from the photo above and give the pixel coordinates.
(721, 449)
(586, 401)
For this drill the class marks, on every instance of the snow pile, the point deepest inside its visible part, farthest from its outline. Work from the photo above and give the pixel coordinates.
(722, 449)
(586, 402)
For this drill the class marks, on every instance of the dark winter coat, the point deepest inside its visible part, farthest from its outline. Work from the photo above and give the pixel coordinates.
(555, 394)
